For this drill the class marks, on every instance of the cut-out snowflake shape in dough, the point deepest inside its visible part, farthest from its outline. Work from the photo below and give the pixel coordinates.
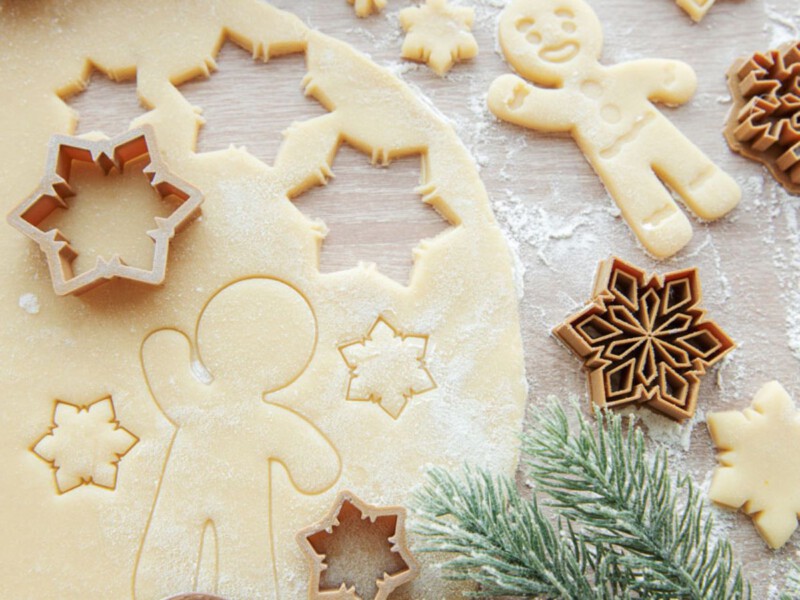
(387, 367)
(365, 8)
(84, 445)
(438, 34)
(760, 462)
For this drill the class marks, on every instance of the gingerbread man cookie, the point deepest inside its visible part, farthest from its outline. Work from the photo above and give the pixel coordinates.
(254, 337)
(636, 151)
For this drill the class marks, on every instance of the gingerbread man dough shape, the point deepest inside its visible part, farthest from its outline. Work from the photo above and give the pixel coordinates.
(253, 337)
(608, 110)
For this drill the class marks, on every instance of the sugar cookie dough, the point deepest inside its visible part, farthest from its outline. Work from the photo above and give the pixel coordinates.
(229, 375)
(758, 462)
(439, 34)
(556, 44)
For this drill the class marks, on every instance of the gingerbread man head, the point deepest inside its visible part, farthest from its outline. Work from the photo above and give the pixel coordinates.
(547, 41)
(257, 333)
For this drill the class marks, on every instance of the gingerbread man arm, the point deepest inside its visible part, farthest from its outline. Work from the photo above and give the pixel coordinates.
(670, 82)
(309, 457)
(513, 99)
(166, 360)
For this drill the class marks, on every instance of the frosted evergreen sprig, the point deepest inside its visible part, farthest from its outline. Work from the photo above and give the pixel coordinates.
(623, 528)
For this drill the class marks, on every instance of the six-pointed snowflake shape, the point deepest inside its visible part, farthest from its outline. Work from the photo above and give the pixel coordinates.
(84, 445)
(351, 544)
(54, 190)
(365, 8)
(438, 34)
(760, 462)
(387, 367)
(644, 340)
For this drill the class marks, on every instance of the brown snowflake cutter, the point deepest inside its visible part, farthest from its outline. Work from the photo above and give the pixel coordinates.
(54, 189)
(350, 512)
(643, 340)
(764, 122)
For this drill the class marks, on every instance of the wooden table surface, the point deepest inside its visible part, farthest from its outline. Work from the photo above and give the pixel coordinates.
(554, 210)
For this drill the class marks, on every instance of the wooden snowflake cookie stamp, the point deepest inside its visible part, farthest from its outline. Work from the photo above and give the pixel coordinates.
(438, 34)
(758, 450)
(697, 9)
(764, 122)
(636, 150)
(644, 340)
(54, 191)
(352, 533)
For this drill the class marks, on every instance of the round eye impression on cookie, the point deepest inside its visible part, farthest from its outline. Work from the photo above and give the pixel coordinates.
(547, 41)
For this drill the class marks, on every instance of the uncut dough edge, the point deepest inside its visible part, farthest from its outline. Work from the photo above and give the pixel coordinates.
(85, 543)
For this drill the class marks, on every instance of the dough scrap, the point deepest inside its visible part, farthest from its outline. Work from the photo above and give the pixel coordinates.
(634, 148)
(365, 8)
(697, 9)
(758, 471)
(439, 34)
(185, 358)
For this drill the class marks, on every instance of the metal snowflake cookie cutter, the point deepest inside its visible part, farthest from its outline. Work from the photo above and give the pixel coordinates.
(764, 121)
(643, 339)
(312, 541)
(54, 189)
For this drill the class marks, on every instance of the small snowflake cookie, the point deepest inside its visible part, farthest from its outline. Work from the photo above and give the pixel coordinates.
(438, 34)
(758, 449)
(365, 8)
(696, 9)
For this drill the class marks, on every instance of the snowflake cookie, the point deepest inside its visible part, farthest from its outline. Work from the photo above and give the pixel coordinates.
(84, 445)
(644, 339)
(438, 34)
(696, 9)
(387, 367)
(758, 467)
(365, 8)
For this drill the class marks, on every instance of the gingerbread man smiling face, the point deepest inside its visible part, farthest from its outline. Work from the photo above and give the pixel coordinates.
(637, 152)
(549, 40)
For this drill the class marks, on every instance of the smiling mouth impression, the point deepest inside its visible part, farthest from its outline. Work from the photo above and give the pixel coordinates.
(559, 53)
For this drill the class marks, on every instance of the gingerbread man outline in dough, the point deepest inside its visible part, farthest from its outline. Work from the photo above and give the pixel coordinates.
(253, 337)
(633, 147)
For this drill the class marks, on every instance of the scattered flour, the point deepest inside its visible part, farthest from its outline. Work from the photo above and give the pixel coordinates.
(29, 303)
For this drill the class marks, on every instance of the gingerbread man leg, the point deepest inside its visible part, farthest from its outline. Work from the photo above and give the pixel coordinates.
(648, 207)
(245, 557)
(174, 535)
(707, 190)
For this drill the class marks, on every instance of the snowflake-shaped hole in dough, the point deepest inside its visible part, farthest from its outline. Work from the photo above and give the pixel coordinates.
(438, 34)
(387, 367)
(758, 456)
(84, 445)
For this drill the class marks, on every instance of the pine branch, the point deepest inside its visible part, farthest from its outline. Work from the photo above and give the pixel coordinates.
(792, 591)
(506, 543)
(661, 531)
(625, 528)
